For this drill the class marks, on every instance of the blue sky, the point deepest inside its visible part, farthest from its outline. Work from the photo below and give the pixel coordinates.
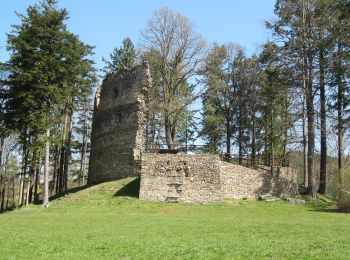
(105, 23)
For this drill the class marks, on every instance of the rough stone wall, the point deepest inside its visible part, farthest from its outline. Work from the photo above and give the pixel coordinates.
(241, 182)
(118, 123)
(285, 184)
(204, 179)
(180, 178)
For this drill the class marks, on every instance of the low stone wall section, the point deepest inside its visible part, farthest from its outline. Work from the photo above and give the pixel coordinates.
(180, 178)
(205, 179)
(241, 182)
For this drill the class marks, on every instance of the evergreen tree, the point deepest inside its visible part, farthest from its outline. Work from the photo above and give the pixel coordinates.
(48, 70)
(224, 77)
(295, 29)
(121, 58)
(274, 95)
(212, 126)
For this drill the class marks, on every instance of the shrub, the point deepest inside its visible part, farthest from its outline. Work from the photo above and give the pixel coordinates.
(341, 189)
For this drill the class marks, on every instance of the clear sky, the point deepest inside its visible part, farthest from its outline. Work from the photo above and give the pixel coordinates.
(105, 23)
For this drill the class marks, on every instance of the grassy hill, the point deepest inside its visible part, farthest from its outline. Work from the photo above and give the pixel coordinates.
(108, 221)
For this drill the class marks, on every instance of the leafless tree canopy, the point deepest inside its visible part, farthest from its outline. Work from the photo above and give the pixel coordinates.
(178, 52)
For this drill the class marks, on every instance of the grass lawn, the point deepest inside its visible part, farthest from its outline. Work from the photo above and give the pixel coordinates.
(102, 222)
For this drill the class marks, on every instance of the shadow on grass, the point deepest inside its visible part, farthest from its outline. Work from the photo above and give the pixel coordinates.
(330, 208)
(8, 209)
(326, 207)
(130, 190)
(60, 195)
(322, 204)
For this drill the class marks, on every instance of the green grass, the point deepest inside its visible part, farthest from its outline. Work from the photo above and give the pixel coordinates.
(103, 222)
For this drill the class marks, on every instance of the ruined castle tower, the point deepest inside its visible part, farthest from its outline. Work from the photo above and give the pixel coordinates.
(118, 122)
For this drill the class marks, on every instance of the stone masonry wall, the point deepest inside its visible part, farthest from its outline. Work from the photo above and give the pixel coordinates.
(118, 123)
(241, 182)
(180, 178)
(204, 179)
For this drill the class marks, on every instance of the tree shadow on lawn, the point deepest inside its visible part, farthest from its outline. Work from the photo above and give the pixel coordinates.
(329, 209)
(60, 195)
(129, 190)
(319, 206)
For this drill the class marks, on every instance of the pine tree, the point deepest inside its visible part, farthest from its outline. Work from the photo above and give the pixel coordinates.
(212, 126)
(295, 28)
(275, 101)
(224, 77)
(123, 57)
(48, 70)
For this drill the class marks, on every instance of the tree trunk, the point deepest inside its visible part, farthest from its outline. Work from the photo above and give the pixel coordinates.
(240, 136)
(253, 155)
(2, 184)
(167, 132)
(307, 73)
(63, 154)
(46, 169)
(20, 194)
(23, 174)
(266, 149)
(306, 181)
(340, 105)
(37, 179)
(323, 159)
(2, 198)
(68, 152)
(13, 192)
(55, 178)
(61, 169)
(285, 132)
(311, 135)
(6, 183)
(272, 155)
(32, 173)
(228, 138)
(173, 135)
(28, 191)
(7, 195)
(82, 157)
(186, 133)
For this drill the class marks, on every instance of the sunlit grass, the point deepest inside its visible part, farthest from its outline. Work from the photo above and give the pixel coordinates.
(102, 222)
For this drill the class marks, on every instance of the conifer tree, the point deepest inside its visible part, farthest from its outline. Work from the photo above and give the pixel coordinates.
(48, 68)
(123, 57)
(224, 75)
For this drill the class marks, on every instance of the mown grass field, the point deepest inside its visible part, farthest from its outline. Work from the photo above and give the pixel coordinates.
(101, 222)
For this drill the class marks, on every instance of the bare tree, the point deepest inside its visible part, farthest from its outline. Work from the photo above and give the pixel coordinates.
(7, 147)
(178, 55)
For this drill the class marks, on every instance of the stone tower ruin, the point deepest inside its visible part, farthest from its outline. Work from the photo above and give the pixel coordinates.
(118, 122)
(116, 146)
